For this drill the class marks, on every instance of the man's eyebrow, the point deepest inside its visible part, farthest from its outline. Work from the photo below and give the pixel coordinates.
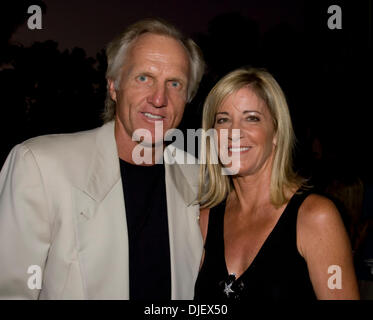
(176, 79)
(180, 78)
(144, 73)
(150, 74)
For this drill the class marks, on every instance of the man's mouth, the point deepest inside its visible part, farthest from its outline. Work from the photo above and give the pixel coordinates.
(152, 116)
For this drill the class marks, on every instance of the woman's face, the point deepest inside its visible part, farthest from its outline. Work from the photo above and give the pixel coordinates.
(250, 149)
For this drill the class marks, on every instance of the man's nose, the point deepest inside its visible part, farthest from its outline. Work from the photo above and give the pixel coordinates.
(158, 97)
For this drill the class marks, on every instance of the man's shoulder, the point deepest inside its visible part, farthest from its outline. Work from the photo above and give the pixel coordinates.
(64, 144)
(68, 155)
(55, 142)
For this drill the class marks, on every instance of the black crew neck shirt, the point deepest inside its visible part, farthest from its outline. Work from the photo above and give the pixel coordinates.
(145, 199)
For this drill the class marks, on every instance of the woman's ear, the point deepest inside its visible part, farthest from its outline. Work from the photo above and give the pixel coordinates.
(111, 87)
(274, 141)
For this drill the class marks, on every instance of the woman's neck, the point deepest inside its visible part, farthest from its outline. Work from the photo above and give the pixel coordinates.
(252, 191)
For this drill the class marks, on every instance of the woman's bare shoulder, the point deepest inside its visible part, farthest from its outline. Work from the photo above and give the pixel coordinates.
(318, 220)
(317, 209)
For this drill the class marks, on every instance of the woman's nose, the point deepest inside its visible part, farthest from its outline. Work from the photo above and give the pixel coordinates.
(234, 135)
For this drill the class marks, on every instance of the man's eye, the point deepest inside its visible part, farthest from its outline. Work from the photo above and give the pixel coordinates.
(142, 78)
(175, 84)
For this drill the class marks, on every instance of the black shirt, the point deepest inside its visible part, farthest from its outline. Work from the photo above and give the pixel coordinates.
(144, 190)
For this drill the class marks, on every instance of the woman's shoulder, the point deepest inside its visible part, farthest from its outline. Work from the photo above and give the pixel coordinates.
(317, 207)
(317, 215)
(318, 218)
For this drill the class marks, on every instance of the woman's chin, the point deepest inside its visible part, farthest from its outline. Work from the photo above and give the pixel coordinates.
(231, 170)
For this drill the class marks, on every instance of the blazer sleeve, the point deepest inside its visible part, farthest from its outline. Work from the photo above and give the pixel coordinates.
(24, 225)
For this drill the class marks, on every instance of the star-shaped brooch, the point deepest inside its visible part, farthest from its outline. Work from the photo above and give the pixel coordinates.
(228, 289)
(229, 284)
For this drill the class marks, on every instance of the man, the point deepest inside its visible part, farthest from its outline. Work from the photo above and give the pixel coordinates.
(79, 219)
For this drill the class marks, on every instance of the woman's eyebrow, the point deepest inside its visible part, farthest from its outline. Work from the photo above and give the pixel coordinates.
(247, 111)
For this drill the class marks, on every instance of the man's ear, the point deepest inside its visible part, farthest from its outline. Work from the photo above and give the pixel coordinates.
(111, 87)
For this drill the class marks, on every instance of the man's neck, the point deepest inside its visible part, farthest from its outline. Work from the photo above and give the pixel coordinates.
(126, 146)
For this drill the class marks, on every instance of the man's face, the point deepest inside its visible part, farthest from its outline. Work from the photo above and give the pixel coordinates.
(153, 86)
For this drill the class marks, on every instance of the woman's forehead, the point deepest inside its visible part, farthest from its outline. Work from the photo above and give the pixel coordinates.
(242, 100)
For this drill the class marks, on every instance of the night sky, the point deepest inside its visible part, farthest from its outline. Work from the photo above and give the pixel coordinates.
(92, 24)
(322, 71)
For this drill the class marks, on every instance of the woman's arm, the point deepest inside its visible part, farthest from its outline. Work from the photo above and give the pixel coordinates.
(323, 242)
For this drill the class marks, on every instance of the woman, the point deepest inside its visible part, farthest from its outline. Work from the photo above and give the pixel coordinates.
(267, 236)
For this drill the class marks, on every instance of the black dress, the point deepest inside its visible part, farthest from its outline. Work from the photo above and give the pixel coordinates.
(278, 272)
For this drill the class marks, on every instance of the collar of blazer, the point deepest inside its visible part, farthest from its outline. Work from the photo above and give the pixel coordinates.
(104, 171)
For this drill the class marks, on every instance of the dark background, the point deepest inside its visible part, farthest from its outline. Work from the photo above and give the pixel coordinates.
(53, 80)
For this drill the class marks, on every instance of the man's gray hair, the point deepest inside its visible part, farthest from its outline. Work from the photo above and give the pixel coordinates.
(117, 49)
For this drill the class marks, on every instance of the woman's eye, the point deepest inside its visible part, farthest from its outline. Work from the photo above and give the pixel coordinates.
(221, 120)
(253, 118)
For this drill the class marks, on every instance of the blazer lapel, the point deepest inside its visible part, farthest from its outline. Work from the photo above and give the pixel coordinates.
(104, 172)
(101, 223)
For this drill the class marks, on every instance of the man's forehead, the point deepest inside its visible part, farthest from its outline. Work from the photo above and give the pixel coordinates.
(159, 46)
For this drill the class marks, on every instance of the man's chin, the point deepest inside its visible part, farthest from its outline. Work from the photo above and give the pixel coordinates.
(151, 143)
(148, 138)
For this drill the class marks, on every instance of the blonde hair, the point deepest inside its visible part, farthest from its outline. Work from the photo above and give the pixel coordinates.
(116, 52)
(214, 187)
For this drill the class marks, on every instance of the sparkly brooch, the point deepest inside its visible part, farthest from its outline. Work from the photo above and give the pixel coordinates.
(231, 288)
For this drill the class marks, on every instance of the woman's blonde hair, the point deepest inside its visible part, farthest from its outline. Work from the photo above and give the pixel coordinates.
(214, 187)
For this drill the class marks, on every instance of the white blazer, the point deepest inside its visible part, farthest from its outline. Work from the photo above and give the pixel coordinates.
(62, 208)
